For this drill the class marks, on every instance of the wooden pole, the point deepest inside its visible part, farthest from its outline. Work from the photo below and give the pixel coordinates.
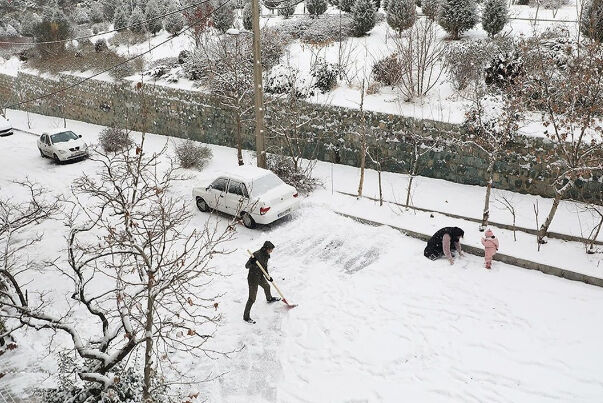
(258, 89)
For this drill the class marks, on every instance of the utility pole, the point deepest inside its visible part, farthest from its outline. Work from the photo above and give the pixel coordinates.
(260, 138)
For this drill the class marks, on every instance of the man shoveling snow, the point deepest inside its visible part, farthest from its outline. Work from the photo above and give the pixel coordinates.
(256, 278)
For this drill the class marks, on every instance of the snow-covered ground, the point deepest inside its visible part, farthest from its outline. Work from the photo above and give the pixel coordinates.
(376, 321)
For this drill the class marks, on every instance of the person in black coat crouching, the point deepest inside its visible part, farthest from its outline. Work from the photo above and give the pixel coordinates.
(441, 243)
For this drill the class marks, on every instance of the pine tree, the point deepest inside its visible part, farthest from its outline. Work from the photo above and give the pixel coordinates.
(431, 8)
(591, 23)
(401, 14)
(120, 17)
(223, 16)
(287, 9)
(152, 14)
(247, 17)
(363, 13)
(457, 16)
(385, 4)
(316, 7)
(174, 22)
(494, 16)
(109, 8)
(137, 21)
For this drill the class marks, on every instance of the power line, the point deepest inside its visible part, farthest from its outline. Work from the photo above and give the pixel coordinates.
(107, 32)
(80, 82)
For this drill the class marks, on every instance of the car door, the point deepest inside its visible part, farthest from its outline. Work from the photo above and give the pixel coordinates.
(235, 198)
(44, 144)
(216, 193)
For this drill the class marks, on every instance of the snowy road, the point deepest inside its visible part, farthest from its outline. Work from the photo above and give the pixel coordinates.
(376, 321)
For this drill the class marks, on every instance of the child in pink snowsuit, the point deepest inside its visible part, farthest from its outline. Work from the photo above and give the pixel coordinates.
(490, 247)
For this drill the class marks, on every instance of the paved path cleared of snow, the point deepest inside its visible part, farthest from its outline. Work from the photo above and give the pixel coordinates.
(376, 321)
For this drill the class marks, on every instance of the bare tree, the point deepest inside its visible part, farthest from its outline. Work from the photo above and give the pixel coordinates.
(138, 271)
(228, 68)
(363, 139)
(421, 53)
(491, 123)
(510, 207)
(570, 99)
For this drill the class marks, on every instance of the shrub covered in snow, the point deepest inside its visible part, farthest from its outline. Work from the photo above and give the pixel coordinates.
(431, 8)
(96, 13)
(100, 46)
(495, 16)
(325, 75)
(114, 139)
(363, 13)
(283, 79)
(152, 15)
(346, 5)
(55, 26)
(503, 69)
(316, 7)
(223, 16)
(301, 178)
(591, 23)
(401, 14)
(457, 16)
(287, 9)
(388, 71)
(29, 22)
(80, 15)
(322, 30)
(466, 62)
(174, 22)
(191, 154)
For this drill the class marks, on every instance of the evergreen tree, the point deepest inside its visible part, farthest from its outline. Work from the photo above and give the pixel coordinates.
(431, 8)
(96, 13)
(385, 4)
(316, 7)
(223, 16)
(401, 14)
(247, 17)
(457, 16)
(152, 14)
(377, 4)
(591, 23)
(363, 13)
(137, 21)
(494, 16)
(287, 9)
(120, 17)
(174, 23)
(109, 8)
(346, 5)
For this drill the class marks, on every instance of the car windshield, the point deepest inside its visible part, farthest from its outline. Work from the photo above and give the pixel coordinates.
(63, 137)
(265, 183)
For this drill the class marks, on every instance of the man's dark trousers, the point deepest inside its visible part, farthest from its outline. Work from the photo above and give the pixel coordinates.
(254, 281)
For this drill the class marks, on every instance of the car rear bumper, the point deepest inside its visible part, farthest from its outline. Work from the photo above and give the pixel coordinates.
(73, 156)
(276, 213)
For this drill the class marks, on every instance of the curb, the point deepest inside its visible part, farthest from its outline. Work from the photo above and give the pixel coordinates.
(554, 235)
(508, 259)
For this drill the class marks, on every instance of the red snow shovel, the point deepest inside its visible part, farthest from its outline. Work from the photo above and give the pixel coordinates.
(272, 282)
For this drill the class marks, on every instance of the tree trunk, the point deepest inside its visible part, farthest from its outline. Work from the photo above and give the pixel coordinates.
(380, 188)
(362, 164)
(594, 238)
(544, 228)
(148, 350)
(412, 174)
(486, 213)
(239, 141)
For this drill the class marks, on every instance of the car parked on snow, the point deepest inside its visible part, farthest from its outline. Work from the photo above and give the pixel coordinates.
(6, 129)
(254, 194)
(62, 145)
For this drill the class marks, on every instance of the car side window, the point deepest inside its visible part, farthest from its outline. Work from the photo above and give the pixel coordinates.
(237, 188)
(48, 140)
(220, 184)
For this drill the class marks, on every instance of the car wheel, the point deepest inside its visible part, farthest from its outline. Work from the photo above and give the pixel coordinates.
(56, 158)
(247, 220)
(202, 205)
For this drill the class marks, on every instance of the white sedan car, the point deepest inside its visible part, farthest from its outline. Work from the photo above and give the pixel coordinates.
(256, 195)
(62, 145)
(5, 127)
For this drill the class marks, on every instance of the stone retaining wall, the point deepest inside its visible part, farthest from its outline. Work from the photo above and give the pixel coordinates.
(196, 115)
